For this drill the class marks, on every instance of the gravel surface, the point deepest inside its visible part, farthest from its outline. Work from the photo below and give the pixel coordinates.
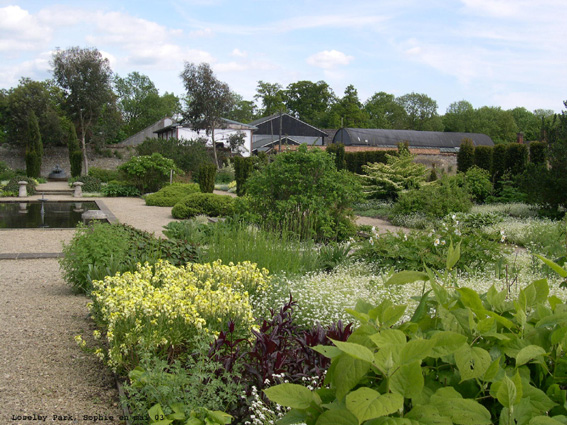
(43, 370)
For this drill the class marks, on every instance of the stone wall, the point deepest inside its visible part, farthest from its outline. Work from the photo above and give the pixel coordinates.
(59, 155)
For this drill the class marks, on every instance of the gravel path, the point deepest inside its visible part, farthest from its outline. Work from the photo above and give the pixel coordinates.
(383, 226)
(43, 371)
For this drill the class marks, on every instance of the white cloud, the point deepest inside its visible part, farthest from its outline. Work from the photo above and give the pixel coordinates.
(329, 59)
(202, 33)
(239, 53)
(36, 69)
(21, 31)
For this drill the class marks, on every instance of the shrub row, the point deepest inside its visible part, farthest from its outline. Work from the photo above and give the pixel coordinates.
(208, 204)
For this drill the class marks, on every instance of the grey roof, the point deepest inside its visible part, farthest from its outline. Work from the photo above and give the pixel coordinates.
(260, 140)
(296, 122)
(416, 139)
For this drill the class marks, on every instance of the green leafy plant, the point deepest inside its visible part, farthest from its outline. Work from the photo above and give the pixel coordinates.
(90, 183)
(12, 187)
(243, 167)
(463, 358)
(168, 196)
(207, 173)
(148, 173)
(103, 174)
(208, 204)
(465, 156)
(117, 188)
(478, 184)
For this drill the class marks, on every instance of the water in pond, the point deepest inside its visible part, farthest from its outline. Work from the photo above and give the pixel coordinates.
(22, 215)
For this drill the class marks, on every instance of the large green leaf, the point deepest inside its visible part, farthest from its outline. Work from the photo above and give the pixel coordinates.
(446, 342)
(357, 351)
(348, 372)
(552, 320)
(509, 392)
(391, 315)
(388, 420)
(290, 395)
(366, 403)
(327, 350)
(428, 415)
(472, 362)
(537, 398)
(337, 417)
(461, 411)
(453, 255)
(471, 299)
(554, 266)
(406, 276)
(157, 417)
(292, 417)
(415, 349)
(388, 337)
(408, 380)
(546, 420)
(529, 353)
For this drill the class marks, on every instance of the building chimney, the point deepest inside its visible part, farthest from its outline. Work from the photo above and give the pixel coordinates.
(520, 137)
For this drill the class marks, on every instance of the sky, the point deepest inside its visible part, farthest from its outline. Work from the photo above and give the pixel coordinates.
(504, 53)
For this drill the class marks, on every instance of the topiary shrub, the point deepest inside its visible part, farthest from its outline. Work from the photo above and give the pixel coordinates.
(538, 153)
(207, 173)
(338, 149)
(243, 167)
(465, 157)
(498, 162)
(75, 152)
(170, 195)
(208, 204)
(483, 157)
(516, 158)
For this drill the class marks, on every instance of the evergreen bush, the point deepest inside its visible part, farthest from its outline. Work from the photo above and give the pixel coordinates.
(538, 153)
(209, 204)
(338, 149)
(168, 196)
(75, 152)
(465, 157)
(207, 174)
(34, 147)
(483, 157)
(243, 167)
(498, 162)
(516, 158)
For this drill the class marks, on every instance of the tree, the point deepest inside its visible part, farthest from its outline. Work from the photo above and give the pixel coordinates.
(348, 111)
(243, 111)
(75, 153)
(421, 112)
(209, 99)
(140, 103)
(34, 147)
(498, 124)
(44, 100)
(527, 122)
(308, 101)
(459, 117)
(384, 112)
(85, 77)
(271, 97)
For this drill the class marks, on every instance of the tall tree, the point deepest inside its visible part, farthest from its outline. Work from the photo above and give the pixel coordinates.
(347, 112)
(308, 101)
(528, 123)
(34, 147)
(209, 99)
(421, 112)
(459, 117)
(243, 110)
(85, 77)
(271, 96)
(497, 123)
(140, 103)
(384, 112)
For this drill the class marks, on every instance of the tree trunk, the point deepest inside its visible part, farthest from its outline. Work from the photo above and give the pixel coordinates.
(84, 145)
(214, 147)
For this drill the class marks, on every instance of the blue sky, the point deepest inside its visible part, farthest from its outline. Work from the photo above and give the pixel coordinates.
(503, 53)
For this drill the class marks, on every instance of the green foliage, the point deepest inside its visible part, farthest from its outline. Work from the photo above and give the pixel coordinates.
(338, 149)
(499, 153)
(34, 147)
(432, 175)
(208, 204)
(207, 174)
(187, 154)
(180, 388)
(225, 174)
(13, 187)
(435, 199)
(168, 196)
(354, 161)
(516, 158)
(478, 184)
(119, 189)
(463, 357)
(243, 167)
(103, 174)
(416, 250)
(75, 152)
(148, 173)
(387, 181)
(305, 190)
(538, 153)
(465, 156)
(90, 183)
(483, 157)
(6, 173)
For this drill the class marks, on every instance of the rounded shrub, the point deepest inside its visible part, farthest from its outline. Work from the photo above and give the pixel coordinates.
(203, 204)
(168, 196)
(477, 183)
(13, 187)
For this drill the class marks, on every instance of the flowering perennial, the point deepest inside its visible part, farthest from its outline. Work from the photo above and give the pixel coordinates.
(161, 308)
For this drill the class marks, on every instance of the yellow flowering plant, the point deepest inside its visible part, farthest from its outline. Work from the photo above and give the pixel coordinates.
(161, 308)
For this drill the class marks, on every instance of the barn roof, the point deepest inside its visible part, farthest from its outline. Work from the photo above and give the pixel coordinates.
(446, 141)
(290, 125)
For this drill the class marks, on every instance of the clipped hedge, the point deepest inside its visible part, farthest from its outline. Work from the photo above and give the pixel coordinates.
(170, 195)
(203, 204)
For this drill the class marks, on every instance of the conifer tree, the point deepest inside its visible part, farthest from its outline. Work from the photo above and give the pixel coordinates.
(34, 147)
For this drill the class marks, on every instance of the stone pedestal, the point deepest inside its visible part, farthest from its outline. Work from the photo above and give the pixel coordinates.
(23, 189)
(93, 215)
(78, 190)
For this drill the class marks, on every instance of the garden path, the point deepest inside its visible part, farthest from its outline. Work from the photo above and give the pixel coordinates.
(383, 226)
